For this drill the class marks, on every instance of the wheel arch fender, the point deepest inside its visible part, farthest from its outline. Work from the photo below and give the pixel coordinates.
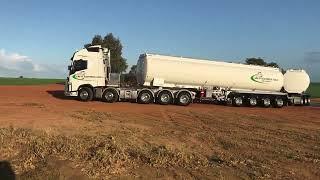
(85, 85)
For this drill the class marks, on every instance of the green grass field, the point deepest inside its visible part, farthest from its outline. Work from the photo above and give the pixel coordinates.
(28, 81)
(314, 90)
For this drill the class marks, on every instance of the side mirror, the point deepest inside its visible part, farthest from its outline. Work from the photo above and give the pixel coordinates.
(69, 68)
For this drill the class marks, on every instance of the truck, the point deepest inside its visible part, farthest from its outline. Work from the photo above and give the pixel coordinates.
(167, 80)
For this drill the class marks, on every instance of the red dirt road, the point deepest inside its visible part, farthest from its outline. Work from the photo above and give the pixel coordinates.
(230, 142)
(46, 107)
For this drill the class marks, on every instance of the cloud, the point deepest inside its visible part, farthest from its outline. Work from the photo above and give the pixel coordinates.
(312, 57)
(14, 64)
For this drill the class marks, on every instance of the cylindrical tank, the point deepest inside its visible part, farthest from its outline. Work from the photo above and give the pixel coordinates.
(296, 81)
(169, 71)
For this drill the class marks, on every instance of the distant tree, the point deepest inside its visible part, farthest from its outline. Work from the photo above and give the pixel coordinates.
(87, 45)
(256, 61)
(262, 62)
(130, 79)
(97, 40)
(118, 62)
(273, 64)
(20, 77)
(133, 69)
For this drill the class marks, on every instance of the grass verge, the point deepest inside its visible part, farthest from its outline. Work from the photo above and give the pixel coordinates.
(28, 81)
(314, 90)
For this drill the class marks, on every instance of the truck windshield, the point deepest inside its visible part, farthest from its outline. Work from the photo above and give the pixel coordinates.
(93, 49)
(79, 65)
(72, 56)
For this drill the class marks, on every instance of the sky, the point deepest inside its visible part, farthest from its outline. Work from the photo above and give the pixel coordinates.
(37, 38)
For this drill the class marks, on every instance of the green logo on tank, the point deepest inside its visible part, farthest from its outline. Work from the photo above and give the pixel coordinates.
(259, 78)
(256, 78)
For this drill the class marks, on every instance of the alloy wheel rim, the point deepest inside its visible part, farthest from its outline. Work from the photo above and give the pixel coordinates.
(279, 102)
(184, 99)
(253, 101)
(266, 102)
(165, 98)
(238, 101)
(84, 95)
(109, 96)
(145, 97)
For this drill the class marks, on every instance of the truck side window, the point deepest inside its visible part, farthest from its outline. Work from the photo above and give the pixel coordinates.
(80, 65)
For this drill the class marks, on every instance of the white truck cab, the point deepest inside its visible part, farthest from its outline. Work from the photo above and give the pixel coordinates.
(89, 67)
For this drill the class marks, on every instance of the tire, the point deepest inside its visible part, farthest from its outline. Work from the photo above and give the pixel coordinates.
(183, 99)
(237, 101)
(164, 97)
(290, 102)
(229, 102)
(252, 101)
(278, 102)
(85, 94)
(301, 101)
(266, 102)
(110, 96)
(307, 101)
(145, 97)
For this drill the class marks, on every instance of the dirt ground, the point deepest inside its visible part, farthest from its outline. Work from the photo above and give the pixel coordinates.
(44, 134)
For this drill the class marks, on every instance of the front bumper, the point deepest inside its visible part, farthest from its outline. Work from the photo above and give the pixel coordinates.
(67, 88)
(70, 93)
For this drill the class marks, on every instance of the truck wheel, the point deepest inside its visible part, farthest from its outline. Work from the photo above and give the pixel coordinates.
(253, 101)
(278, 102)
(85, 94)
(266, 102)
(164, 98)
(110, 96)
(145, 97)
(237, 101)
(229, 102)
(301, 101)
(184, 99)
(307, 101)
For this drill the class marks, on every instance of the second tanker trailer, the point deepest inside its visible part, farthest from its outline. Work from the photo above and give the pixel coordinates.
(177, 80)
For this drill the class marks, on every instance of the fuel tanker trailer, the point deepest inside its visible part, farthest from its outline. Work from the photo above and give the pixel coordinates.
(177, 80)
